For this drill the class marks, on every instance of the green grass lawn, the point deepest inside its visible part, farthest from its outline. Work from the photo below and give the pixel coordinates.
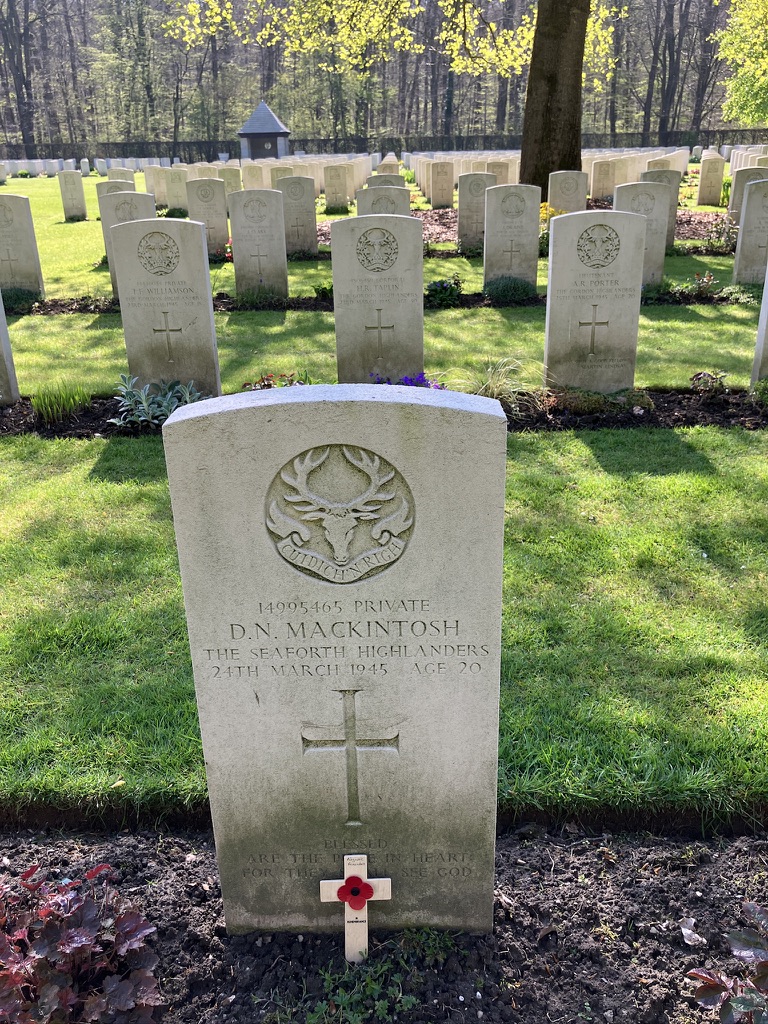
(675, 342)
(635, 631)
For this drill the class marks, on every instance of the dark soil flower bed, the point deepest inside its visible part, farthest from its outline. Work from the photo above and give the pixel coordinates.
(586, 928)
(671, 408)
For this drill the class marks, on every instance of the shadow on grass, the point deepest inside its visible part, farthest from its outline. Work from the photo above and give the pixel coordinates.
(663, 452)
(131, 460)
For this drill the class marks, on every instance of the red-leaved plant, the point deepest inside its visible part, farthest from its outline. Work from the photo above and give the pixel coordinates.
(73, 951)
(740, 1000)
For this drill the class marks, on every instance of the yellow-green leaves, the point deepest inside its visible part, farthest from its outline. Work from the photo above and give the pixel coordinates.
(744, 47)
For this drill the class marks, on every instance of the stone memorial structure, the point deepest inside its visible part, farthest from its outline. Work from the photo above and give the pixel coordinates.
(568, 191)
(711, 175)
(603, 179)
(108, 188)
(19, 257)
(299, 213)
(383, 200)
(207, 202)
(471, 218)
(165, 302)
(258, 242)
(253, 176)
(117, 208)
(441, 184)
(347, 685)
(652, 200)
(672, 179)
(72, 195)
(378, 297)
(9, 388)
(760, 363)
(375, 180)
(593, 300)
(121, 174)
(740, 179)
(511, 232)
(176, 188)
(337, 187)
(751, 259)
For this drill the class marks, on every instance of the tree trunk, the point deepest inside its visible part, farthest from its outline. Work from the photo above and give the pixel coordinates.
(552, 121)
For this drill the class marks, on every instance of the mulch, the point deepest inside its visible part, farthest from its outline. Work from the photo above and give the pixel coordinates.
(587, 927)
(672, 408)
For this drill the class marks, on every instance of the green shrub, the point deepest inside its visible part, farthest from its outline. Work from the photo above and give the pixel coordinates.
(510, 291)
(324, 292)
(56, 402)
(19, 300)
(262, 298)
(151, 405)
(177, 212)
(760, 392)
(443, 294)
(725, 194)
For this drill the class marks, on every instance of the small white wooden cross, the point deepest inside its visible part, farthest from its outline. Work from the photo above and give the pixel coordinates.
(354, 890)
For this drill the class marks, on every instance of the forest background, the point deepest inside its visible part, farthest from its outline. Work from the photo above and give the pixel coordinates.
(89, 77)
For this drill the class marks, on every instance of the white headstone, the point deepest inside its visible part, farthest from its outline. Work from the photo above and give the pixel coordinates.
(9, 388)
(593, 300)
(121, 174)
(711, 171)
(337, 187)
(741, 178)
(672, 179)
(117, 208)
(374, 180)
(441, 184)
(165, 302)
(253, 176)
(751, 259)
(603, 179)
(471, 218)
(760, 363)
(176, 188)
(72, 195)
(207, 202)
(378, 298)
(299, 213)
(652, 200)
(258, 241)
(568, 191)
(511, 232)
(383, 199)
(19, 258)
(108, 188)
(347, 685)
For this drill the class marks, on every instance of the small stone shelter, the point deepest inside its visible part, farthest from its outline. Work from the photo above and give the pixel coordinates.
(263, 135)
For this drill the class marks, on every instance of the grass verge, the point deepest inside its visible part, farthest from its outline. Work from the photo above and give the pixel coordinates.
(635, 656)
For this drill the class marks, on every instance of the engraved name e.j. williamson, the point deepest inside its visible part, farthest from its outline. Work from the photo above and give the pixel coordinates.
(353, 520)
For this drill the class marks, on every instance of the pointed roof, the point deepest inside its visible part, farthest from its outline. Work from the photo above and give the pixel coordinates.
(263, 122)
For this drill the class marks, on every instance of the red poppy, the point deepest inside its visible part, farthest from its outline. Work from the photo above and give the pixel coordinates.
(355, 892)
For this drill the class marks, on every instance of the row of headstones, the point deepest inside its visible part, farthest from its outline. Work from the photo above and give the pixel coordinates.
(593, 296)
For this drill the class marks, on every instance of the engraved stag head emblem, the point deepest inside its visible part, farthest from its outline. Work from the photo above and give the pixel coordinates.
(356, 497)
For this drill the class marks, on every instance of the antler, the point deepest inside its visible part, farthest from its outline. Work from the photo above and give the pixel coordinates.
(303, 467)
(371, 468)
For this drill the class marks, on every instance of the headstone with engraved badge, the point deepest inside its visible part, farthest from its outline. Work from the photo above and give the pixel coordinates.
(347, 685)
(165, 302)
(378, 298)
(593, 300)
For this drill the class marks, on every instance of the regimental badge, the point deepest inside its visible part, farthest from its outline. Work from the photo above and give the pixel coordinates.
(377, 249)
(158, 253)
(339, 513)
(598, 246)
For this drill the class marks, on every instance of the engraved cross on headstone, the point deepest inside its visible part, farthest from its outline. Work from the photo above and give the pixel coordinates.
(478, 224)
(511, 251)
(380, 327)
(593, 323)
(10, 261)
(351, 744)
(298, 227)
(168, 331)
(343, 890)
(259, 256)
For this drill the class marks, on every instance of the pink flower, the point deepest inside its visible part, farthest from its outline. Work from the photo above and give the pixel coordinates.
(355, 892)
